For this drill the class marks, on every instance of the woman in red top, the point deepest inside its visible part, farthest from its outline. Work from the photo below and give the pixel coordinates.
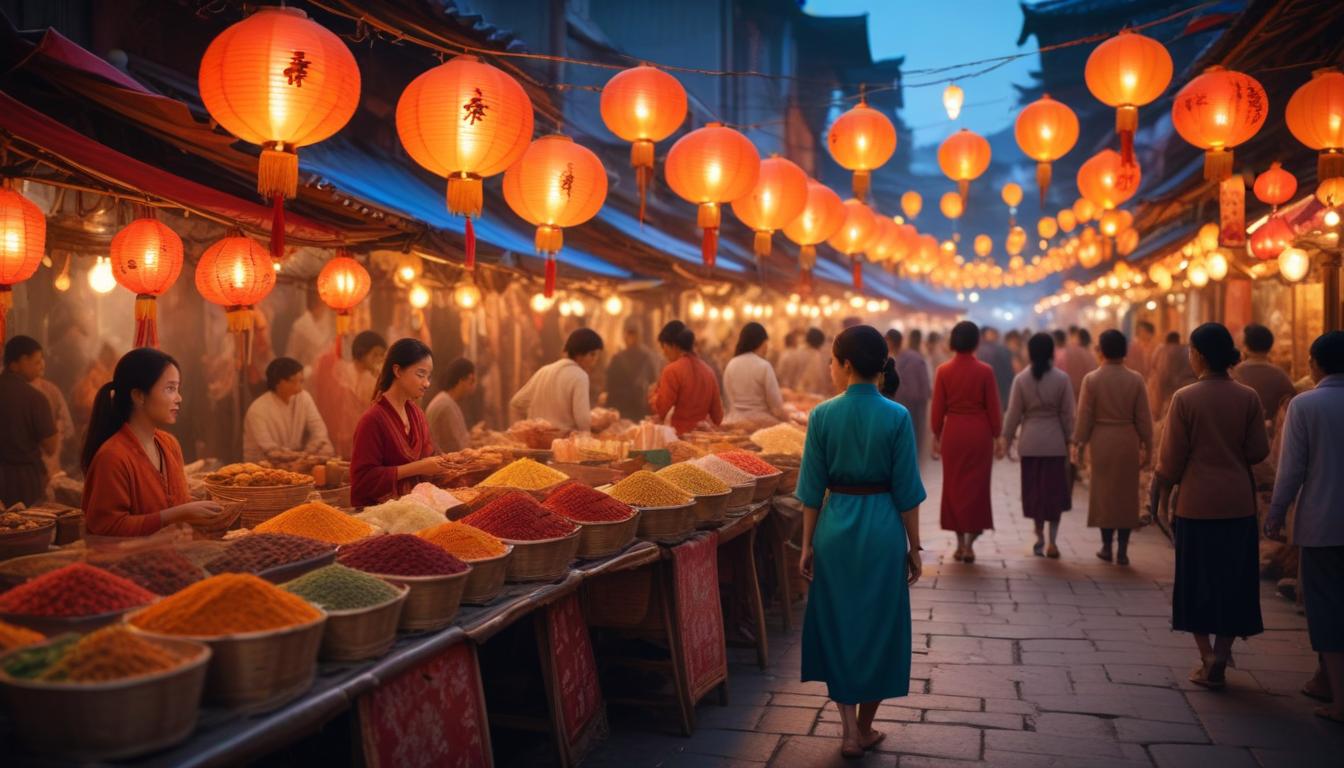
(393, 449)
(687, 383)
(967, 420)
(134, 483)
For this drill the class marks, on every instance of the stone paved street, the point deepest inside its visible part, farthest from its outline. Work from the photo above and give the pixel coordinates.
(1024, 661)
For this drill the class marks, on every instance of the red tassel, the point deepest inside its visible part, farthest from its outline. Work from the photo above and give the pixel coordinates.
(278, 228)
(1127, 147)
(709, 246)
(642, 183)
(469, 249)
(806, 282)
(146, 334)
(337, 350)
(550, 276)
(858, 275)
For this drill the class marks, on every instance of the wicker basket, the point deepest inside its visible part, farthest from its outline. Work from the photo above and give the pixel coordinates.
(486, 579)
(257, 672)
(666, 523)
(789, 467)
(20, 569)
(433, 600)
(542, 560)
(765, 486)
(362, 633)
(51, 626)
(711, 509)
(233, 511)
(118, 719)
(606, 538)
(261, 503)
(741, 495)
(30, 542)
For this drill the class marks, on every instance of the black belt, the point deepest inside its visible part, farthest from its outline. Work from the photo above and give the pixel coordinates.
(859, 490)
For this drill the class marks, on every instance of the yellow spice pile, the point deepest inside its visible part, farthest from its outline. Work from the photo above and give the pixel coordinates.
(784, 439)
(693, 480)
(527, 475)
(645, 489)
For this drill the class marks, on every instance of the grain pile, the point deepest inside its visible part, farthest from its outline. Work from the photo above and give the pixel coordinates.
(645, 489)
(338, 588)
(724, 470)
(405, 515)
(693, 480)
(527, 475)
(784, 439)
(226, 604)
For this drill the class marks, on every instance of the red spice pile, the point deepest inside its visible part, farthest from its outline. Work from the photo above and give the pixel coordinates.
(518, 517)
(400, 554)
(77, 589)
(261, 551)
(582, 504)
(161, 571)
(748, 462)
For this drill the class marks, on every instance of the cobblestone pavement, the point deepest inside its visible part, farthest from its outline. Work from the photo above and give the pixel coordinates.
(1024, 661)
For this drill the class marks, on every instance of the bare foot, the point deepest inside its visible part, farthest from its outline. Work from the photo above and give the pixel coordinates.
(872, 738)
(850, 749)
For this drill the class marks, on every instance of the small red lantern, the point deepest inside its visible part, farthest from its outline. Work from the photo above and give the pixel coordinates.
(342, 284)
(146, 259)
(23, 240)
(1271, 238)
(235, 273)
(1275, 186)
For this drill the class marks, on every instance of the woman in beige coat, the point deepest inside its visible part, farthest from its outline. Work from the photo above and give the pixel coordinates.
(1116, 426)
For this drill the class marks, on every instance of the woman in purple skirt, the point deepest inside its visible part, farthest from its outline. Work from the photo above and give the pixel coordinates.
(1041, 403)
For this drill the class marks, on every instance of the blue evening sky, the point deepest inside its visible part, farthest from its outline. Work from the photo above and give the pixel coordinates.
(942, 33)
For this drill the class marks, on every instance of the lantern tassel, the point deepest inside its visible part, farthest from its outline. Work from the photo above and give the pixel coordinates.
(807, 257)
(863, 182)
(549, 289)
(964, 189)
(465, 196)
(761, 244)
(6, 302)
(805, 281)
(641, 158)
(1217, 164)
(1126, 123)
(1329, 165)
(146, 321)
(343, 324)
(277, 228)
(239, 319)
(469, 246)
(548, 239)
(277, 171)
(857, 268)
(707, 218)
(1043, 179)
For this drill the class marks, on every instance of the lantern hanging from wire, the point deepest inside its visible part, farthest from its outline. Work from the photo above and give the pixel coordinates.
(1275, 186)
(235, 273)
(1015, 242)
(1105, 181)
(146, 257)
(555, 184)
(1126, 72)
(1315, 116)
(1269, 240)
(1067, 219)
(911, 204)
(23, 242)
(963, 157)
(643, 105)
(1047, 227)
(854, 236)
(952, 205)
(822, 215)
(465, 120)
(983, 245)
(1127, 241)
(1045, 130)
(711, 166)
(953, 98)
(280, 80)
(779, 196)
(861, 140)
(1216, 111)
(342, 284)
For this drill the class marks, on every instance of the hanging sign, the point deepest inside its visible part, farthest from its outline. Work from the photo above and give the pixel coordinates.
(1232, 212)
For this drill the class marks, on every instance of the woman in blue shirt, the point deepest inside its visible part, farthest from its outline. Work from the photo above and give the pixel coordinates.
(860, 489)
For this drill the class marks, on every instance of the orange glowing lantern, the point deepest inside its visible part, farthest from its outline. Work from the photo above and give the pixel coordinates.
(146, 259)
(822, 215)
(1016, 241)
(465, 120)
(952, 205)
(963, 156)
(1106, 181)
(282, 81)
(1083, 210)
(861, 140)
(882, 244)
(777, 199)
(1217, 111)
(1127, 72)
(342, 284)
(555, 184)
(1315, 116)
(1045, 130)
(23, 241)
(983, 245)
(1067, 219)
(1275, 186)
(1047, 227)
(711, 166)
(1330, 192)
(643, 105)
(911, 204)
(1127, 242)
(1271, 238)
(235, 273)
(1012, 195)
(854, 235)
(1110, 223)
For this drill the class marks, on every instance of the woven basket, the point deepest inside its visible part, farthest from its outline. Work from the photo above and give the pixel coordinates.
(765, 486)
(543, 560)
(606, 538)
(51, 626)
(666, 523)
(87, 722)
(789, 466)
(741, 495)
(255, 672)
(433, 600)
(711, 509)
(486, 579)
(30, 542)
(362, 633)
(263, 502)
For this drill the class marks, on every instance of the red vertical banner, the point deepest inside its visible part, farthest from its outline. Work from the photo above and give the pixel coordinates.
(575, 667)
(1237, 305)
(699, 616)
(1232, 212)
(429, 715)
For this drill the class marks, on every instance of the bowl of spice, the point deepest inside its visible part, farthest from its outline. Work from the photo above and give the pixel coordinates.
(22, 534)
(767, 475)
(76, 598)
(362, 611)
(162, 570)
(320, 522)
(112, 694)
(487, 556)
(527, 475)
(13, 636)
(544, 543)
(264, 640)
(711, 494)
(276, 557)
(435, 578)
(667, 513)
(405, 515)
(742, 483)
(20, 569)
(606, 525)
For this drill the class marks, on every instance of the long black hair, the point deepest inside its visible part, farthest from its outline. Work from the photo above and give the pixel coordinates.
(751, 338)
(402, 354)
(137, 370)
(1041, 350)
(865, 349)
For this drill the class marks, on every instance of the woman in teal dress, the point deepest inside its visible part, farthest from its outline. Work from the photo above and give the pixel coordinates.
(860, 489)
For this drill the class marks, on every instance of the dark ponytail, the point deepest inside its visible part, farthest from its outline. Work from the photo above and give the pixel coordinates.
(866, 352)
(402, 354)
(1041, 350)
(891, 380)
(137, 370)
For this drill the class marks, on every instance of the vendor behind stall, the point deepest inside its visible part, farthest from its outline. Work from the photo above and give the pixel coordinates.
(342, 388)
(749, 381)
(133, 478)
(687, 391)
(447, 425)
(393, 449)
(284, 417)
(30, 428)
(558, 392)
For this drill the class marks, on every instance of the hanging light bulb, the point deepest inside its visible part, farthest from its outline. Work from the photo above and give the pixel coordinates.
(953, 98)
(101, 279)
(62, 281)
(728, 314)
(1294, 264)
(613, 305)
(418, 296)
(1216, 264)
(697, 308)
(540, 303)
(466, 295)
(577, 308)
(1331, 218)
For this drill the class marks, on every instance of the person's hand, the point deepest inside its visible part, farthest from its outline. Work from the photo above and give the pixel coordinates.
(1145, 519)
(936, 450)
(914, 567)
(1274, 530)
(193, 513)
(1075, 455)
(1144, 458)
(805, 563)
(1000, 449)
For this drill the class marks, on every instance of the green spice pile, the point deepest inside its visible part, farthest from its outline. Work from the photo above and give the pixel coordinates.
(338, 588)
(31, 662)
(645, 489)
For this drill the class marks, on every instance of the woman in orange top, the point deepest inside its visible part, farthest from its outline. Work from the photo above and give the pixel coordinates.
(687, 386)
(134, 483)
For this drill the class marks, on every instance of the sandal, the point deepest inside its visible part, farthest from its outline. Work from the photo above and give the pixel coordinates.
(1326, 713)
(1038, 549)
(959, 555)
(1052, 552)
(1203, 674)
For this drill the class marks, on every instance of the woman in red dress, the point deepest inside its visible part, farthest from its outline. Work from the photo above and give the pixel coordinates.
(393, 449)
(967, 420)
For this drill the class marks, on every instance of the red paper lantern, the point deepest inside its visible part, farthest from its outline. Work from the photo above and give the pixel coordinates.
(963, 156)
(1045, 130)
(822, 215)
(1271, 238)
(1315, 116)
(711, 166)
(23, 241)
(1217, 111)
(146, 259)
(777, 199)
(1275, 186)
(235, 273)
(643, 105)
(861, 140)
(342, 284)
(1105, 181)
(854, 236)
(1126, 72)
